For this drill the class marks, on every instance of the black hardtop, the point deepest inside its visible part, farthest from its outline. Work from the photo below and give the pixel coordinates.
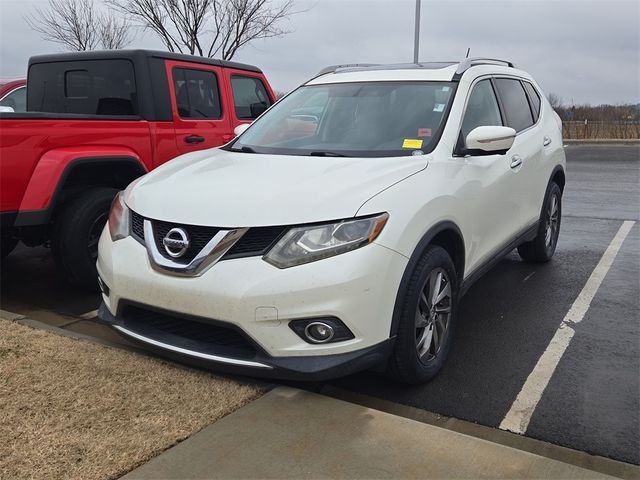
(137, 55)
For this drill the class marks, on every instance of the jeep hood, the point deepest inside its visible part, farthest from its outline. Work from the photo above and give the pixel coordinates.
(231, 189)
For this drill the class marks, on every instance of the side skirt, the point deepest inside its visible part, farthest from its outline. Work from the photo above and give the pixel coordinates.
(526, 236)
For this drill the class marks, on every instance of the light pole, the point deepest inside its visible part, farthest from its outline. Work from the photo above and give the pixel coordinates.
(416, 39)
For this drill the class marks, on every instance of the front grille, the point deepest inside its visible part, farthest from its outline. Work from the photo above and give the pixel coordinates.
(198, 238)
(190, 333)
(256, 241)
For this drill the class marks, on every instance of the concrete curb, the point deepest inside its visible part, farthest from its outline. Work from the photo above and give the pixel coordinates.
(601, 141)
(291, 433)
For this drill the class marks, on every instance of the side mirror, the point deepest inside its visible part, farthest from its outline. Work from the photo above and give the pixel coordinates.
(258, 109)
(4, 109)
(239, 130)
(489, 140)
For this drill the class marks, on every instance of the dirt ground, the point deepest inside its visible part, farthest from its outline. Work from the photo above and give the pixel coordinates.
(73, 409)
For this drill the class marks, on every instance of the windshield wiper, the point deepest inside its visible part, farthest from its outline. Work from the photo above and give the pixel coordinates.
(244, 149)
(321, 153)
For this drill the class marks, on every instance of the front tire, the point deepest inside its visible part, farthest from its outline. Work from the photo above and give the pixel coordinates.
(427, 320)
(7, 244)
(542, 248)
(75, 236)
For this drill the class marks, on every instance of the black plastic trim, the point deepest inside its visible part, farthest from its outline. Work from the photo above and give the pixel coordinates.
(526, 235)
(415, 258)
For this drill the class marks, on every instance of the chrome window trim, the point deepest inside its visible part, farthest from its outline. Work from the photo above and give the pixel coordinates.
(192, 353)
(205, 259)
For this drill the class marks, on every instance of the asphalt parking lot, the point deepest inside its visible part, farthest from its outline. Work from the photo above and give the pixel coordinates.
(507, 321)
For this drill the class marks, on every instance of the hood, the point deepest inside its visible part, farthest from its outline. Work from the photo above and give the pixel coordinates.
(231, 189)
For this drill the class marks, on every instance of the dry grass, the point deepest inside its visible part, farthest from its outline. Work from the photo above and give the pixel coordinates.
(72, 409)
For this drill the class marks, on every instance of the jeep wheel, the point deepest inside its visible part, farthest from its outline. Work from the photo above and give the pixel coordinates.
(75, 236)
(427, 319)
(7, 244)
(542, 248)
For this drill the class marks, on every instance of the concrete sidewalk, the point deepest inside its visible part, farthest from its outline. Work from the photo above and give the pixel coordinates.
(290, 433)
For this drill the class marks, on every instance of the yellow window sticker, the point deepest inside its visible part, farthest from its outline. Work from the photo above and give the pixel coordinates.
(412, 143)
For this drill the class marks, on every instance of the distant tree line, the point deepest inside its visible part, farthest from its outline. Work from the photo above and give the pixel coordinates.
(595, 113)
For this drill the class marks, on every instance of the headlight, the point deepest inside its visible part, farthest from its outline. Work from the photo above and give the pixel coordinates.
(314, 242)
(119, 218)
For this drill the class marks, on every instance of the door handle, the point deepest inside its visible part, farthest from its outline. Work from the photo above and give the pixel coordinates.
(516, 161)
(546, 141)
(193, 139)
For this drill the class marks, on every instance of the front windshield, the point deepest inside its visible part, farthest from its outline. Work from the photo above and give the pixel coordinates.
(364, 119)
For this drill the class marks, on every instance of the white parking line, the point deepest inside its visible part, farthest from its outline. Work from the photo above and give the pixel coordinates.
(89, 315)
(518, 417)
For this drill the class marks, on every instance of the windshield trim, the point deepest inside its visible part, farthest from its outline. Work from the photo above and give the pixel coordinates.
(355, 153)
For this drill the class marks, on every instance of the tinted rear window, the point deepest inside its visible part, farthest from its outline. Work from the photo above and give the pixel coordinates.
(515, 103)
(197, 93)
(93, 87)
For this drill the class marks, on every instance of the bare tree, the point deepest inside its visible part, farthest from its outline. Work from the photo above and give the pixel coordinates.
(208, 27)
(77, 25)
(555, 101)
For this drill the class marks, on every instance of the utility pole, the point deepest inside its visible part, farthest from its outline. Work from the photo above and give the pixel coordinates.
(416, 40)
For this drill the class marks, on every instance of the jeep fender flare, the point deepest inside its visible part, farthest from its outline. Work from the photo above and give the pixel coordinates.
(53, 169)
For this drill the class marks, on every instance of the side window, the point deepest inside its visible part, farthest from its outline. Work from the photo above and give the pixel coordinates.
(535, 99)
(515, 103)
(90, 87)
(197, 93)
(16, 100)
(249, 96)
(482, 108)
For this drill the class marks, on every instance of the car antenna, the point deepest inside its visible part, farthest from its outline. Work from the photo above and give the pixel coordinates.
(468, 50)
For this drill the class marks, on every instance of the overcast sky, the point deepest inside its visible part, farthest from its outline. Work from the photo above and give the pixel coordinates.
(585, 51)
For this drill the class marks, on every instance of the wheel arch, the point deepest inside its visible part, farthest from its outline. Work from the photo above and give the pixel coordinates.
(445, 234)
(558, 177)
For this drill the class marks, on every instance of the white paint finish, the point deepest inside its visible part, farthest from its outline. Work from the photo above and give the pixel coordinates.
(518, 418)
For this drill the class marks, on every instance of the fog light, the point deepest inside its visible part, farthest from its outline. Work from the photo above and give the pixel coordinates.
(318, 332)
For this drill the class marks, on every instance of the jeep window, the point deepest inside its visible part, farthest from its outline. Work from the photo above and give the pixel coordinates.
(515, 103)
(534, 97)
(16, 99)
(90, 87)
(360, 119)
(482, 108)
(249, 96)
(197, 94)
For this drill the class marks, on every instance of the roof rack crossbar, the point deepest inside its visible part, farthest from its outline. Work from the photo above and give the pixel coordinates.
(471, 62)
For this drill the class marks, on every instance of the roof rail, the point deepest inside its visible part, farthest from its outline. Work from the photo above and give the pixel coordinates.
(335, 68)
(472, 62)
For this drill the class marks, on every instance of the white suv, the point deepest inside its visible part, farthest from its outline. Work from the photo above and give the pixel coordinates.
(339, 231)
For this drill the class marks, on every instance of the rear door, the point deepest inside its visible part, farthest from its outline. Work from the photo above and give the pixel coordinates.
(249, 95)
(201, 114)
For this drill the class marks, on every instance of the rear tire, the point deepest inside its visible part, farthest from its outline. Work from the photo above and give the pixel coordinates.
(427, 320)
(542, 248)
(76, 231)
(7, 244)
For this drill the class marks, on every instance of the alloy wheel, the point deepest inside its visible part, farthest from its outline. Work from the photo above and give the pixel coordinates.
(552, 223)
(433, 313)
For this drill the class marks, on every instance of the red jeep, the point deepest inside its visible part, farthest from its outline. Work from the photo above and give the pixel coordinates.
(95, 121)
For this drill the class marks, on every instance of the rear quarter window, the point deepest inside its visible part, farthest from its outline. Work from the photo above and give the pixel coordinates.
(534, 97)
(91, 87)
(515, 103)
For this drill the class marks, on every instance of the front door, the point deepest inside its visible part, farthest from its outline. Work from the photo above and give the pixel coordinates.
(201, 117)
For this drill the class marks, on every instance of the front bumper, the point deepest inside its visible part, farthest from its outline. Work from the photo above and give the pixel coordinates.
(307, 368)
(251, 296)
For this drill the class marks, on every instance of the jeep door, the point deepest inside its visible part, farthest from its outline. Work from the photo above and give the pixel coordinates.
(200, 112)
